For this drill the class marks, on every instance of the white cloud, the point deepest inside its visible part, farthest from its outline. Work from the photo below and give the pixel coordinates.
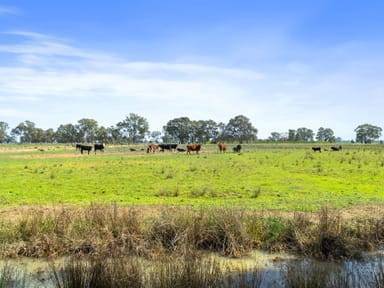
(57, 83)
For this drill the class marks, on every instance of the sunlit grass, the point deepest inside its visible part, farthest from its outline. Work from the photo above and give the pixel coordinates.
(281, 177)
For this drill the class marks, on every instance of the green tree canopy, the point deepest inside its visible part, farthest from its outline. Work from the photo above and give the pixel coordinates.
(275, 137)
(87, 129)
(292, 135)
(240, 129)
(102, 135)
(366, 133)
(25, 131)
(134, 128)
(205, 131)
(304, 135)
(179, 130)
(325, 135)
(66, 134)
(4, 137)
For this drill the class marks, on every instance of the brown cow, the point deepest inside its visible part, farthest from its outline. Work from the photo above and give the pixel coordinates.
(193, 147)
(222, 147)
(152, 148)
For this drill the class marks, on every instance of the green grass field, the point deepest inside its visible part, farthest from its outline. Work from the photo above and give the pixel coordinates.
(263, 176)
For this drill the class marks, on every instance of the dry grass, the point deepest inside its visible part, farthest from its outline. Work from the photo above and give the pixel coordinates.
(101, 230)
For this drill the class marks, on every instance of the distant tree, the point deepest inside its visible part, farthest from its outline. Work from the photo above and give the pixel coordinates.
(102, 135)
(25, 131)
(204, 130)
(240, 129)
(167, 138)
(291, 135)
(49, 136)
(4, 137)
(134, 128)
(220, 133)
(275, 137)
(155, 137)
(366, 133)
(67, 134)
(114, 135)
(179, 130)
(325, 135)
(87, 129)
(38, 135)
(304, 135)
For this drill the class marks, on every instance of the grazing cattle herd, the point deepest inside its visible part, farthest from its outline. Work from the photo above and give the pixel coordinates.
(152, 148)
(333, 148)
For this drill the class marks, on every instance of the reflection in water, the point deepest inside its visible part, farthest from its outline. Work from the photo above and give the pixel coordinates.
(257, 270)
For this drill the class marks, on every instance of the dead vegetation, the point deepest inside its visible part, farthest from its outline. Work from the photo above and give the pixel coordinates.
(101, 230)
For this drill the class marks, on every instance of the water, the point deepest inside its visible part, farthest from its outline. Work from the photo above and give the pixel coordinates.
(274, 270)
(283, 270)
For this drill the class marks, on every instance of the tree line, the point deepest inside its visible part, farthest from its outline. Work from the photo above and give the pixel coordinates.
(135, 129)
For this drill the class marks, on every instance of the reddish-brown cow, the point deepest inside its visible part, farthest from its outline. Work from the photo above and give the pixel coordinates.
(193, 147)
(222, 147)
(152, 148)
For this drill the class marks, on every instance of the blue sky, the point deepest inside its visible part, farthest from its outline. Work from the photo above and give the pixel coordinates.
(283, 64)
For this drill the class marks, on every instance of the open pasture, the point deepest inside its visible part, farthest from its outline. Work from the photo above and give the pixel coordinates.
(263, 176)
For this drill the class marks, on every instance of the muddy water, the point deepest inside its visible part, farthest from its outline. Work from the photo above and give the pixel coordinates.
(273, 269)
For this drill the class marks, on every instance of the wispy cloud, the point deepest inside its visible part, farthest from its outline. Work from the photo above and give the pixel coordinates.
(62, 83)
(48, 70)
(8, 10)
(44, 45)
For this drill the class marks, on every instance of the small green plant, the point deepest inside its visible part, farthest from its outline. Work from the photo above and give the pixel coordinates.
(275, 230)
(256, 192)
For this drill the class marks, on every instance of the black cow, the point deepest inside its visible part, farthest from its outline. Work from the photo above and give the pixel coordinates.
(237, 148)
(170, 147)
(316, 149)
(85, 148)
(181, 150)
(335, 148)
(99, 147)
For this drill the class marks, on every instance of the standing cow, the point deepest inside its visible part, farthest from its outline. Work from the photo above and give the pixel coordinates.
(85, 148)
(335, 148)
(237, 148)
(99, 147)
(316, 149)
(222, 147)
(193, 147)
(170, 147)
(152, 148)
